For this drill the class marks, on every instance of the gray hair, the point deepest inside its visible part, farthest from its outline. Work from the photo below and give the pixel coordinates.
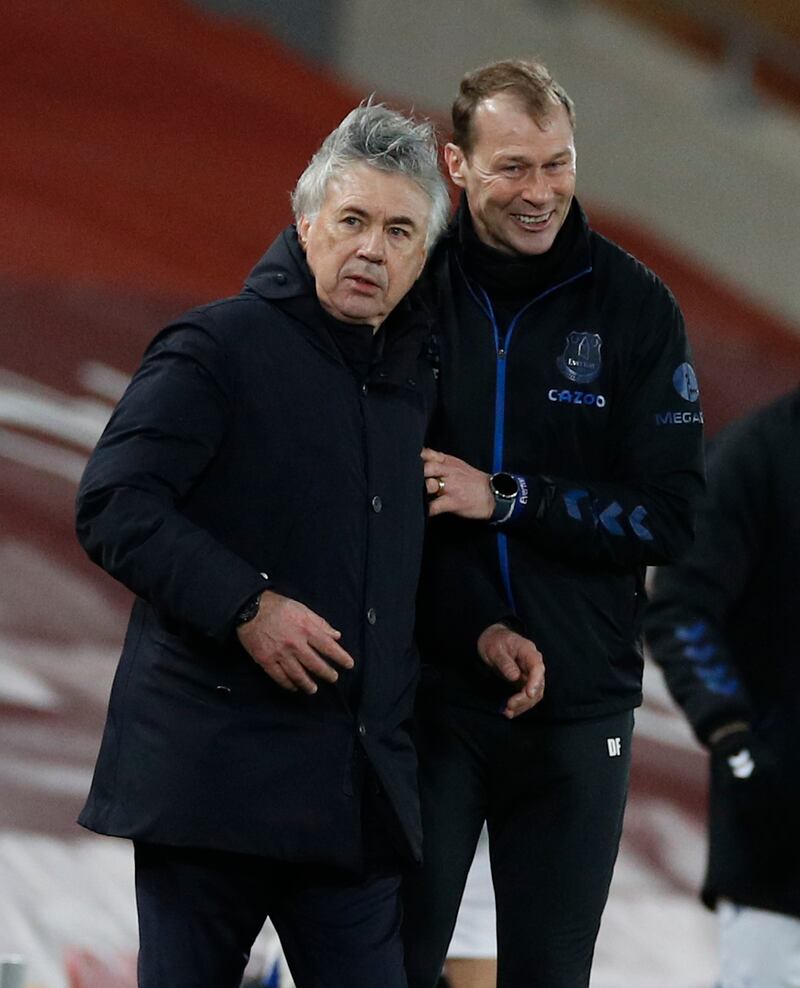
(373, 134)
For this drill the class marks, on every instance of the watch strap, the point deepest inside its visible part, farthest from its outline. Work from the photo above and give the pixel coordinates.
(503, 503)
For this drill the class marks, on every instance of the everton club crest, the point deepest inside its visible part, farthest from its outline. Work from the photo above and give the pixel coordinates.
(580, 362)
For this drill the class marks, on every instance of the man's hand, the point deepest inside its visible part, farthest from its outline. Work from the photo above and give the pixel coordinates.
(517, 660)
(746, 771)
(456, 487)
(291, 643)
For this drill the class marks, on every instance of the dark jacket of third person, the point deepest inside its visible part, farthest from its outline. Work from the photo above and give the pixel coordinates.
(248, 453)
(723, 626)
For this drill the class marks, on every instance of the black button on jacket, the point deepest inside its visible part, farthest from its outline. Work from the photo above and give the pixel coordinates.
(245, 445)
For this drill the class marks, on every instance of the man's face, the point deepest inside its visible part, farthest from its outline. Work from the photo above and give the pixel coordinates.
(366, 246)
(519, 177)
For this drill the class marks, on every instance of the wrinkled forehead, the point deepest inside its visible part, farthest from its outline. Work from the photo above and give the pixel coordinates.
(376, 190)
(348, 178)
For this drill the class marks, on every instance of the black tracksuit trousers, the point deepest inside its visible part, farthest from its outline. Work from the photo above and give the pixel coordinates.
(553, 796)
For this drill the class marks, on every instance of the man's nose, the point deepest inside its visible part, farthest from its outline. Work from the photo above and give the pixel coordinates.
(373, 247)
(537, 188)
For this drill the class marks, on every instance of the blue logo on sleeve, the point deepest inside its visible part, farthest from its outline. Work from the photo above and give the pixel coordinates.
(717, 676)
(685, 381)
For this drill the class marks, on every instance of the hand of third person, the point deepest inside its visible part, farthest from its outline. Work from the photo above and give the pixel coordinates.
(291, 644)
(517, 660)
(456, 487)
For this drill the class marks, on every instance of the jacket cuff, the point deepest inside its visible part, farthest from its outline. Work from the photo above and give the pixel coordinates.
(264, 583)
(526, 503)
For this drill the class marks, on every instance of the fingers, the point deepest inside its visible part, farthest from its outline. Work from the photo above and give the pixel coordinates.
(433, 471)
(518, 661)
(456, 487)
(306, 663)
(524, 700)
(436, 482)
(518, 704)
(293, 645)
(431, 456)
(491, 643)
(531, 672)
(498, 647)
(289, 673)
(441, 505)
(505, 665)
(531, 665)
(274, 671)
(301, 670)
(325, 645)
(433, 485)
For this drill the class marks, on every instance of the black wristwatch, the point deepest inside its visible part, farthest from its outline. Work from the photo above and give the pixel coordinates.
(504, 488)
(248, 612)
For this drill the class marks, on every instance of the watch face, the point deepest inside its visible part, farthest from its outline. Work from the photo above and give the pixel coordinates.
(504, 485)
(248, 612)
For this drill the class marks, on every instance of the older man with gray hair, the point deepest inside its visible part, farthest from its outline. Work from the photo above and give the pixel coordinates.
(259, 488)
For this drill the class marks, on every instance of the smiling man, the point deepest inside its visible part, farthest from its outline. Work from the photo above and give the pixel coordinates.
(259, 489)
(518, 173)
(566, 456)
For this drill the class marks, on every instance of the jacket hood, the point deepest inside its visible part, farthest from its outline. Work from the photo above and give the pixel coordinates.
(283, 276)
(282, 272)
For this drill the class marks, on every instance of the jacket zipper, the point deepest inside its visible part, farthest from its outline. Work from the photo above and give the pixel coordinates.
(502, 344)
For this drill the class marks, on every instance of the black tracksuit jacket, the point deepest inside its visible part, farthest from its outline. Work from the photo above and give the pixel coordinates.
(723, 626)
(586, 393)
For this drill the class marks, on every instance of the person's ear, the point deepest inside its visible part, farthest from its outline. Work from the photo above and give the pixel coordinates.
(303, 225)
(455, 159)
(422, 261)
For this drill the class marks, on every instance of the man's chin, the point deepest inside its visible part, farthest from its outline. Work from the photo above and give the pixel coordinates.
(360, 315)
(354, 309)
(531, 243)
(513, 241)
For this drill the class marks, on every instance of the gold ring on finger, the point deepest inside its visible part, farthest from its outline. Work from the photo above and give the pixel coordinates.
(441, 486)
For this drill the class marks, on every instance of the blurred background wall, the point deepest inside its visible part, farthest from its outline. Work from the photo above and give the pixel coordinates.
(148, 150)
